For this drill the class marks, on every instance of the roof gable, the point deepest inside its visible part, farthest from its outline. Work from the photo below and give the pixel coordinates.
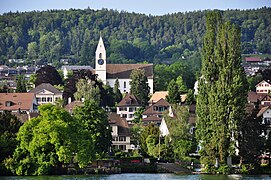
(45, 86)
(262, 111)
(129, 100)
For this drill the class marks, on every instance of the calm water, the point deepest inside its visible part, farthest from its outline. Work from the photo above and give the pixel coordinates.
(139, 177)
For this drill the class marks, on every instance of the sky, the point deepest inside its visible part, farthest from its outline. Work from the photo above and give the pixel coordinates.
(153, 7)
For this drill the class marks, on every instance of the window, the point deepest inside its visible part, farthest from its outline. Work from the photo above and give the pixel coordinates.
(122, 138)
(49, 99)
(100, 55)
(131, 115)
(124, 115)
(43, 99)
(122, 147)
(8, 103)
(122, 109)
(124, 84)
(131, 109)
(38, 99)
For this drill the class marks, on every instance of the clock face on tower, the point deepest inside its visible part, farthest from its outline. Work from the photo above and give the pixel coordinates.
(100, 61)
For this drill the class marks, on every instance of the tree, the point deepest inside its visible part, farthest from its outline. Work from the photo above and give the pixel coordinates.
(117, 93)
(49, 141)
(181, 85)
(95, 121)
(9, 126)
(21, 85)
(222, 90)
(139, 86)
(173, 93)
(250, 137)
(150, 130)
(182, 141)
(86, 90)
(48, 74)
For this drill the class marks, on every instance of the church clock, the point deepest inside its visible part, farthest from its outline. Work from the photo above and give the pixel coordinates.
(100, 61)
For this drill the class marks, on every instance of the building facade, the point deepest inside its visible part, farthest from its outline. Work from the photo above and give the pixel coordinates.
(108, 73)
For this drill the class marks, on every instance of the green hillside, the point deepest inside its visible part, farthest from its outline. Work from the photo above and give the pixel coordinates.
(49, 36)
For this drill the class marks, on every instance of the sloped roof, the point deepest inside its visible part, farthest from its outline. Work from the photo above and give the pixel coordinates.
(158, 95)
(152, 118)
(115, 119)
(262, 110)
(253, 97)
(123, 71)
(263, 81)
(129, 100)
(73, 104)
(46, 86)
(23, 101)
(71, 68)
(150, 110)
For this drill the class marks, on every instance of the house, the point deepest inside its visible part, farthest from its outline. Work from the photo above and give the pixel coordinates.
(154, 113)
(266, 100)
(265, 113)
(253, 59)
(253, 97)
(127, 107)
(67, 69)
(120, 132)
(157, 96)
(21, 104)
(71, 105)
(108, 73)
(263, 87)
(46, 93)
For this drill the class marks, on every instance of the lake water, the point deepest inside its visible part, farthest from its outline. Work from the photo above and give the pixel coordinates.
(139, 177)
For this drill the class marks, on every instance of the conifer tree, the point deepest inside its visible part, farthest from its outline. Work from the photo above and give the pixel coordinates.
(117, 93)
(139, 86)
(222, 90)
(173, 92)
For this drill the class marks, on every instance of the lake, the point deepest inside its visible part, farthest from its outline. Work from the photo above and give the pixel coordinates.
(124, 176)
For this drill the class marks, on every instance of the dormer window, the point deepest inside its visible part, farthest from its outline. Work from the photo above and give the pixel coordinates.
(8, 103)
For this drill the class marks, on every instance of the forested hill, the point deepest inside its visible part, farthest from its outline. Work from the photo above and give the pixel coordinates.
(129, 37)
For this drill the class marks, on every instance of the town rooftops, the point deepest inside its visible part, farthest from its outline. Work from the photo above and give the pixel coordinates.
(71, 68)
(46, 86)
(129, 100)
(123, 71)
(253, 59)
(157, 108)
(16, 101)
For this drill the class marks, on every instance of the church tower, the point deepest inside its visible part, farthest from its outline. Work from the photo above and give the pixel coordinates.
(100, 61)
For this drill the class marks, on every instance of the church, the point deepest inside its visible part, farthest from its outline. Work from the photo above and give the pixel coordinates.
(108, 73)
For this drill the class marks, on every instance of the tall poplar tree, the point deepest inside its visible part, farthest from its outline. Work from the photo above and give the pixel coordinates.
(222, 90)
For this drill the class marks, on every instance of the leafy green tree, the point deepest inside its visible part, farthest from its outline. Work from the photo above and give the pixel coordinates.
(253, 81)
(86, 89)
(139, 86)
(95, 121)
(117, 93)
(138, 115)
(153, 146)
(190, 98)
(222, 90)
(173, 93)
(250, 137)
(9, 126)
(182, 141)
(180, 83)
(151, 129)
(21, 84)
(51, 140)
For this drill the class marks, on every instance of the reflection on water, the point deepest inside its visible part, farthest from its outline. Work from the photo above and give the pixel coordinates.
(140, 177)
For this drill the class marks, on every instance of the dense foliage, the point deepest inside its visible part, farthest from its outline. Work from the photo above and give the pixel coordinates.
(52, 35)
(49, 141)
(9, 126)
(222, 90)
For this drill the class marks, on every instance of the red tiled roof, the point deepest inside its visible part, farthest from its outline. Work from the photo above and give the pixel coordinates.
(23, 101)
(158, 95)
(253, 59)
(129, 100)
(253, 97)
(152, 118)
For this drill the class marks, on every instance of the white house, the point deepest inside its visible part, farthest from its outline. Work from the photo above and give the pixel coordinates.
(263, 87)
(127, 107)
(120, 132)
(108, 73)
(46, 93)
(265, 113)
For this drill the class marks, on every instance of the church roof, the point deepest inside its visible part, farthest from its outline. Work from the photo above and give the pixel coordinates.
(123, 71)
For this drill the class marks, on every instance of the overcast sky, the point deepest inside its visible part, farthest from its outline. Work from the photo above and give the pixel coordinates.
(154, 7)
